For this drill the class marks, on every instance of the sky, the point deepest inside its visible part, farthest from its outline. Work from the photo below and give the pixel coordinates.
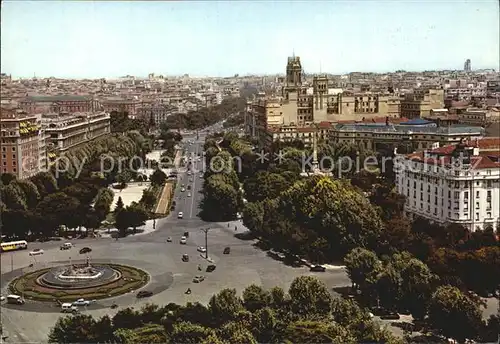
(91, 39)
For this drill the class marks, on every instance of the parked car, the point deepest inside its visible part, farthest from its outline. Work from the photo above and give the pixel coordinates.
(144, 293)
(180, 215)
(201, 249)
(169, 239)
(81, 302)
(183, 189)
(227, 250)
(317, 268)
(2, 298)
(210, 268)
(185, 258)
(186, 234)
(198, 279)
(183, 240)
(36, 252)
(85, 250)
(189, 194)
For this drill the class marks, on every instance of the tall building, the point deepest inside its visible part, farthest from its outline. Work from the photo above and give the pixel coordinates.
(23, 150)
(60, 103)
(302, 106)
(66, 131)
(467, 66)
(420, 103)
(453, 184)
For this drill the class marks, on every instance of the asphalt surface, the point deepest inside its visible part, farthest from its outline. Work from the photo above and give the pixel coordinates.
(170, 277)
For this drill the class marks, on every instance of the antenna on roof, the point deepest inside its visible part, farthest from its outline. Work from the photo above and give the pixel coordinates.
(319, 67)
(293, 53)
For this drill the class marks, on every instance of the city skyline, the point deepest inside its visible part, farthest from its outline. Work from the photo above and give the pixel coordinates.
(112, 39)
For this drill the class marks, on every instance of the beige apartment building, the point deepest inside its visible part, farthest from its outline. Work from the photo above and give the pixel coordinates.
(420, 103)
(23, 152)
(65, 131)
(482, 117)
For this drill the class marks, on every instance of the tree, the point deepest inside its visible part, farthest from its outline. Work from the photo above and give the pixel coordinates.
(148, 199)
(363, 267)
(221, 199)
(309, 297)
(6, 178)
(188, 333)
(13, 197)
(236, 332)
(158, 177)
(119, 206)
(58, 209)
(75, 329)
(31, 194)
(225, 306)
(45, 183)
(306, 331)
(132, 216)
(253, 216)
(454, 314)
(255, 298)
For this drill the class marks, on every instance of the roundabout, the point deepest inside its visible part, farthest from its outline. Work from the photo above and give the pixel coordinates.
(79, 280)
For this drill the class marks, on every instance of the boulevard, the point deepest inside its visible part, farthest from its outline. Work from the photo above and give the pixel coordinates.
(170, 276)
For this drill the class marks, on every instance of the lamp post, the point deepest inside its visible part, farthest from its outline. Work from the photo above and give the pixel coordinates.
(206, 230)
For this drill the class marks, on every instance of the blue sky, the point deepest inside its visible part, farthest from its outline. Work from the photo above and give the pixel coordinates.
(110, 39)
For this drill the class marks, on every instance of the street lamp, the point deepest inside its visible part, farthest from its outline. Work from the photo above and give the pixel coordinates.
(206, 230)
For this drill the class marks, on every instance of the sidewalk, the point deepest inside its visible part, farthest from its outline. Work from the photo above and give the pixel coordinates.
(148, 227)
(163, 203)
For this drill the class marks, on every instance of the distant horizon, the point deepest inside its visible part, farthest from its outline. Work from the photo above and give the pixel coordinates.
(240, 75)
(109, 39)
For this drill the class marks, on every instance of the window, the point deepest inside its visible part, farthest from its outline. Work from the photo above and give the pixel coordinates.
(477, 194)
(477, 216)
(466, 195)
(456, 194)
(13, 149)
(488, 215)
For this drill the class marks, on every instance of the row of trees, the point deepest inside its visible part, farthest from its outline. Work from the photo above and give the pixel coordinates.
(306, 314)
(77, 197)
(222, 197)
(206, 116)
(403, 283)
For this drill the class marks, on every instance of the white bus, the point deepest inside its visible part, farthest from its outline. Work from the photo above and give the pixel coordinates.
(13, 245)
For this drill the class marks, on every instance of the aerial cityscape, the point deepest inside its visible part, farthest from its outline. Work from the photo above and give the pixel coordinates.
(250, 172)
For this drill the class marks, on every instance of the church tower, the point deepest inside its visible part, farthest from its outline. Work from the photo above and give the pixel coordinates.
(293, 73)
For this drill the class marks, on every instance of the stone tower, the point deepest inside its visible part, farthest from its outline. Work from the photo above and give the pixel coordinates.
(293, 73)
(320, 92)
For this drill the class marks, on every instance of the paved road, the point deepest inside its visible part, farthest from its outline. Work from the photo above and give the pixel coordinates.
(170, 277)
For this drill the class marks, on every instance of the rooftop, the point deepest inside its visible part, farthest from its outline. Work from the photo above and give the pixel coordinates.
(58, 98)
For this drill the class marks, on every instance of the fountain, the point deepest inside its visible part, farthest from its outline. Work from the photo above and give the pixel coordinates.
(78, 276)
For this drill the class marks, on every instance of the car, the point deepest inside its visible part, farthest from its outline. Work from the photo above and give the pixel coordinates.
(210, 268)
(144, 293)
(2, 298)
(180, 215)
(189, 187)
(183, 240)
(198, 279)
(183, 189)
(189, 194)
(169, 239)
(81, 302)
(85, 250)
(36, 252)
(317, 268)
(66, 246)
(227, 250)
(201, 249)
(189, 173)
(185, 258)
